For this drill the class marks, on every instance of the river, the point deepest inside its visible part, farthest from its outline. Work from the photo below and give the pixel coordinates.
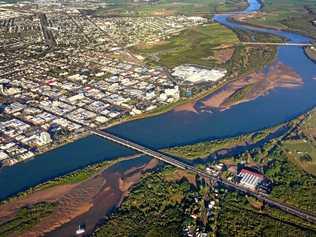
(179, 128)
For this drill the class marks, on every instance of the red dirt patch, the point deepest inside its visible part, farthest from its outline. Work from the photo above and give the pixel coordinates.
(223, 55)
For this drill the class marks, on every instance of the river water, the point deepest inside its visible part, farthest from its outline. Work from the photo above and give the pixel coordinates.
(179, 128)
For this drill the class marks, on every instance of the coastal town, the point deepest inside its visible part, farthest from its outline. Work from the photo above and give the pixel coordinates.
(62, 71)
(156, 118)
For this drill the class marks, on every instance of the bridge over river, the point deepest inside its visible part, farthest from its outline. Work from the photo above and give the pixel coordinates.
(276, 44)
(172, 161)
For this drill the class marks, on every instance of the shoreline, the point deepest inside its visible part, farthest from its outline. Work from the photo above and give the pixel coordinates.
(104, 182)
(41, 186)
(158, 111)
(117, 160)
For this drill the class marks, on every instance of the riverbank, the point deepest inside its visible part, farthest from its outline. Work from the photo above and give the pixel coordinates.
(159, 205)
(201, 152)
(96, 181)
(184, 101)
(51, 147)
(71, 178)
(254, 85)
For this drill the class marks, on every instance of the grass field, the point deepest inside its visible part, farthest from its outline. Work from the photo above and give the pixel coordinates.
(303, 154)
(296, 15)
(195, 46)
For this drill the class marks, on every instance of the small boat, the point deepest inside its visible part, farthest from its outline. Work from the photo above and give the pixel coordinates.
(81, 229)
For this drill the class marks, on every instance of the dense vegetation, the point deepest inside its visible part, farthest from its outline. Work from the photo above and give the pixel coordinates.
(238, 218)
(241, 94)
(192, 46)
(247, 59)
(291, 184)
(250, 59)
(26, 218)
(153, 208)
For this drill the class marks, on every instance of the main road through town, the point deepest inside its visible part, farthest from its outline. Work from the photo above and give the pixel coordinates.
(263, 197)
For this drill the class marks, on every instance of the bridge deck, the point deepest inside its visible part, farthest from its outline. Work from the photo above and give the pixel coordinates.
(181, 165)
(276, 44)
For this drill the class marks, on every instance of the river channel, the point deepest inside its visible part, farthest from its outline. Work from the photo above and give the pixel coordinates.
(180, 127)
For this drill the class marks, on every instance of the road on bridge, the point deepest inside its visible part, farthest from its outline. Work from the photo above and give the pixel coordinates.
(172, 161)
(276, 44)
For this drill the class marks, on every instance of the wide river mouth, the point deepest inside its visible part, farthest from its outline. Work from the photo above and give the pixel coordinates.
(180, 127)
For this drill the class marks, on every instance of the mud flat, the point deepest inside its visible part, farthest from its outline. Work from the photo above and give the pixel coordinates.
(109, 197)
(48, 195)
(251, 86)
(188, 107)
(86, 202)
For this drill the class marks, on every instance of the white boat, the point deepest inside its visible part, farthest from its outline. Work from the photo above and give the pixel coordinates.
(81, 229)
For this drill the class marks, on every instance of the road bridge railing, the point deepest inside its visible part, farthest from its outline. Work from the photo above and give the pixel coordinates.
(230, 185)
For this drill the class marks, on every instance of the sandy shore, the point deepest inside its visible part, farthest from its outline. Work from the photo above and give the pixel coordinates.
(85, 202)
(48, 195)
(189, 107)
(252, 86)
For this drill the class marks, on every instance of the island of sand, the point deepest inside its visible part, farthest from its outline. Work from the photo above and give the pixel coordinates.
(249, 87)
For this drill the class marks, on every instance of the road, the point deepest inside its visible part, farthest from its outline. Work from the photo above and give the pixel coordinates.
(48, 35)
(179, 164)
(263, 197)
